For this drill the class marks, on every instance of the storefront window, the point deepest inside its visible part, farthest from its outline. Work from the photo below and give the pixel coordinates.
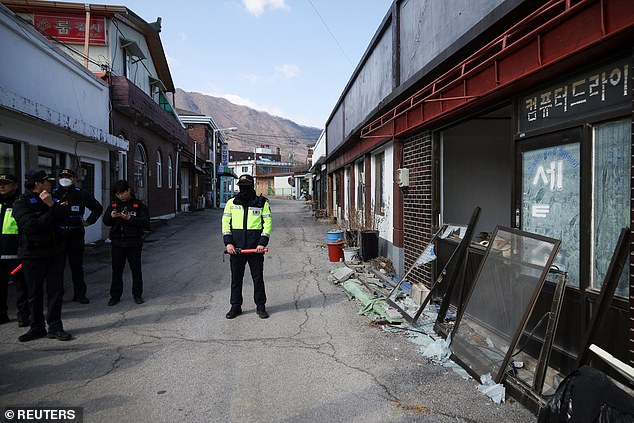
(551, 201)
(611, 197)
(8, 158)
(360, 185)
(46, 161)
(347, 189)
(379, 181)
(88, 177)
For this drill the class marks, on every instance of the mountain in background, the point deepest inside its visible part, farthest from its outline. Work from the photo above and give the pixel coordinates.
(255, 128)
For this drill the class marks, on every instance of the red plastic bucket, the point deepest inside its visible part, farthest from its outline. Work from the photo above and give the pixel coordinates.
(335, 251)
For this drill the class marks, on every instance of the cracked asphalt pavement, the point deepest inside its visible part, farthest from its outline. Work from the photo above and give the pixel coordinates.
(176, 357)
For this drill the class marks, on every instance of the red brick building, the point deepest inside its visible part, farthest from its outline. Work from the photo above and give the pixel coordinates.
(521, 108)
(196, 163)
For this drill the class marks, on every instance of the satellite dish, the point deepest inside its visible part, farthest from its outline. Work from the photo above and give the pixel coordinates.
(291, 181)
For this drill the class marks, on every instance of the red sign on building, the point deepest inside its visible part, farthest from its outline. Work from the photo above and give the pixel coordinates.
(70, 28)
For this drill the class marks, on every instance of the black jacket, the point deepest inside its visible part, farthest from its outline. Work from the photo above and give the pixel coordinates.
(8, 239)
(74, 201)
(127, 233)
(38, 227)
(250, 231)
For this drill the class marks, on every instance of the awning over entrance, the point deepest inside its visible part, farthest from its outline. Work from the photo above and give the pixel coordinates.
(196, 168)
(226, 171)
(29, 108)
(531, 46)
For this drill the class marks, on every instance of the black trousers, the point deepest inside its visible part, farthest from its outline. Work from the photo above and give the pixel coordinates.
(37, 272)
(75, 241)
(119, 256)
(256, 265)
(6, 266)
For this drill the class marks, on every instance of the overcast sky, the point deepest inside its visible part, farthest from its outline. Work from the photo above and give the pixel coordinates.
(291, 58)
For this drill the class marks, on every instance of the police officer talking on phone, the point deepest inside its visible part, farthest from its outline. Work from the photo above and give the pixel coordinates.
(74, 201)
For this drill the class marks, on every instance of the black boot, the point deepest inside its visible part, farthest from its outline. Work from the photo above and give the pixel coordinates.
(234, 312)
(261, 312)
(32, 334)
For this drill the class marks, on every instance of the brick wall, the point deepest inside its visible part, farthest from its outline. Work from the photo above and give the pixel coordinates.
(160, 201)
(198, 133)
(417, 203)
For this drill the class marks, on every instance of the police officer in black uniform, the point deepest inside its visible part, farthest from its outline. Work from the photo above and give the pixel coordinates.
(128, 217)
(42, 253)
(74, 201)
(9, 252)
(247, 224)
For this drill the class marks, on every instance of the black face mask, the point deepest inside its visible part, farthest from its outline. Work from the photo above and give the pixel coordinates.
(247, 192)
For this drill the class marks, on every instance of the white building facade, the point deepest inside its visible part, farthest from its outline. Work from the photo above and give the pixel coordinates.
(54, 113)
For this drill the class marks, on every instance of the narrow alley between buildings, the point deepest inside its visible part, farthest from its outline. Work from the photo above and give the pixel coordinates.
(176, 357)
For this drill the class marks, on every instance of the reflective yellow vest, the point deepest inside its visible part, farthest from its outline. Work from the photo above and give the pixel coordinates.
(9, 225)
(250, 230)
(9, 236)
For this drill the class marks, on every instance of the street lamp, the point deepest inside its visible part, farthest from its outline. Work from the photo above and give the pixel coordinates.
(215, 173)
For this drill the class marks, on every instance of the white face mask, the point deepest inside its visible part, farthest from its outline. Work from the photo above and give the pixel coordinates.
(65, 182)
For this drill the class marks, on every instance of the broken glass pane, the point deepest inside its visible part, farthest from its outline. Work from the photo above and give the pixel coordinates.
(503, 294)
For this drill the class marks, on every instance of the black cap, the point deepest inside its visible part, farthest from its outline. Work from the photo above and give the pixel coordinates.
(245, 180)
(69, 172)
(37, 175)
(7, 178)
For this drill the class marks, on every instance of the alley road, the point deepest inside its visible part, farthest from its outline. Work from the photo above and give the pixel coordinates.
(177, 359)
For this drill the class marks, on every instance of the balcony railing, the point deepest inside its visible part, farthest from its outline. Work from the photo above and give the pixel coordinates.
(133, 102)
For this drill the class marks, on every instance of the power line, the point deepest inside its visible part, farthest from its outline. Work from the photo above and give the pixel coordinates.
(331, 34)
(289, 137)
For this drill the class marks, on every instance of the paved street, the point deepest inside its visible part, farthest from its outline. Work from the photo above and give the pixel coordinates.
(176, 357)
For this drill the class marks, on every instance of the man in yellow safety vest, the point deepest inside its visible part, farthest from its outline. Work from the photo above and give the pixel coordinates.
(9, 253)
(247, 224)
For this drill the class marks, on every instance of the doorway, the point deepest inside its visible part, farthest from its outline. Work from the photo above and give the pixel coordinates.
(574, 185)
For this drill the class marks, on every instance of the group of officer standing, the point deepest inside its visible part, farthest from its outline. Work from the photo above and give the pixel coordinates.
(45, 226)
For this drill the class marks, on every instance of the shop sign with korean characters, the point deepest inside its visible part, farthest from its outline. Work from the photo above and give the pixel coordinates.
(601, 89)
(69, 28)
